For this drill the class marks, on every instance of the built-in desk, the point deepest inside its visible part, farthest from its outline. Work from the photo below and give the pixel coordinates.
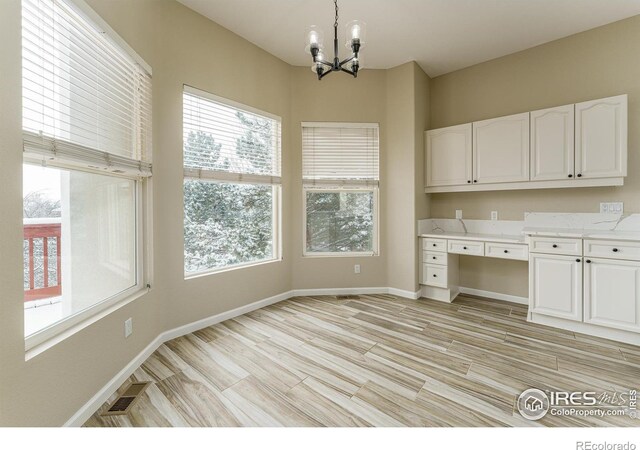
(439, 260)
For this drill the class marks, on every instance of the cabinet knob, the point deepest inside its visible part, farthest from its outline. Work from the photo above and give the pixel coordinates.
(506, 251)
(588, 261)
(468, 181)
(570, 175)
(475, 181)
(555, 245)
(578, 260)
(615, 250)
(579, 175)
(433, 257)
(464, 248)
(435, 276)
(435, 245)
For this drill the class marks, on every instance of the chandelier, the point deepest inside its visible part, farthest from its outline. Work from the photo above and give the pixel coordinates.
(356, 30)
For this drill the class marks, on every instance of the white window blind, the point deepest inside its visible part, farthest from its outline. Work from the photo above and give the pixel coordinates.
(226, 141)
(340, 154)
(86, 101)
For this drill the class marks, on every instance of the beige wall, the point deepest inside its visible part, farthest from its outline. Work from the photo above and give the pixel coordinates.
(405, 112)
(594, 64)
(337, 98)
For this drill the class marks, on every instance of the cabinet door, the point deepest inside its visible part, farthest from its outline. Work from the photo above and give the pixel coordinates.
(448, 156)
(555, 286)
(501, 149)
(601, 138)
(612, 293)
(552, 143)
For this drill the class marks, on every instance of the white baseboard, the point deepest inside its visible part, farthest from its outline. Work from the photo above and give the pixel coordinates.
(339, 291)
(406, 294)
(84, 413)
(212, 320)
(495, 295)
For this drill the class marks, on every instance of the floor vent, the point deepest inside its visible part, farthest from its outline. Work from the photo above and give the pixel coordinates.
(348, 297)
(124, 403)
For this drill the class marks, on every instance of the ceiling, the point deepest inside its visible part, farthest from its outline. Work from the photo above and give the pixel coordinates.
(441, 35)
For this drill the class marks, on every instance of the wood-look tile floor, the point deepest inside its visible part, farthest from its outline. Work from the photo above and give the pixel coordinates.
(376, 360)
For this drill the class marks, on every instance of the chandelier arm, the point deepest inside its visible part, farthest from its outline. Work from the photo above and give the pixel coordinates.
(347, 60)
(325, 63)
(348, 71)
(324, 74)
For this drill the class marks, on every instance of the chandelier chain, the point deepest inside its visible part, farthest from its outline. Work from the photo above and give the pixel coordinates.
(336, 22)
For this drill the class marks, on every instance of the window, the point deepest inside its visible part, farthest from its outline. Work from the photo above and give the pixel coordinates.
(340, 174)
(86, 119)
(231, 184)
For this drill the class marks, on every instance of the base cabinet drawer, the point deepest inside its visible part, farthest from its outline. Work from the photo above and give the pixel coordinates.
(433, 275)
(612, 293)
(466, 247)
(555, 286)
(557, 246)
(506, 251)
(436, 245)
(612, 249)
(434, 258)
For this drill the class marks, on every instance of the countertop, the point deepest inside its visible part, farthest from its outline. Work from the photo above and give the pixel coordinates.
(583, 234)
(505, 238)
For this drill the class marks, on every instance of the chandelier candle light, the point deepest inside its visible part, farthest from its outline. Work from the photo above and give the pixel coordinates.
(356, 30)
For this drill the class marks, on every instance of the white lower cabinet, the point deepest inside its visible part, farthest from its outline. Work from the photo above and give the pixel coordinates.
(556, 285)
(612, 293)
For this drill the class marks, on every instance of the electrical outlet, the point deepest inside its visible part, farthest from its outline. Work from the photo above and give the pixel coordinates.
(128, 327)
(612, 208)
(356, 268)
(458, 214)
(494, 215)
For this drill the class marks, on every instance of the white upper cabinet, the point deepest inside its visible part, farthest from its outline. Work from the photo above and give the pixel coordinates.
(552, 150)
(612, 293)
(448, 158)
(601, 138)
(501, 149)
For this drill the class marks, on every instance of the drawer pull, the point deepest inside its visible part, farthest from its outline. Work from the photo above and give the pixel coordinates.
(435, 245)
(615, 250)
(555, 245)
(433, 257)
(588, 261)
(506, 251)
(464, 248)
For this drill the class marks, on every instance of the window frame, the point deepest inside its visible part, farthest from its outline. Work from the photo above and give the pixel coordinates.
(276, 212)
(339, 186)
(143, 269)
(49, 336)
(276, 187)
(376, 219)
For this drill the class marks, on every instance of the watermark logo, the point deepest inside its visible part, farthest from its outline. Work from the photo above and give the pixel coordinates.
(533, 404)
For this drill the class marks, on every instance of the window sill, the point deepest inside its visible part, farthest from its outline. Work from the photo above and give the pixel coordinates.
(340, 255)
(204, 273)
(43, 340)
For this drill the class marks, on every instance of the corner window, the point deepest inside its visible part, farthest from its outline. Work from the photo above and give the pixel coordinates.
(340, 164)
(231, 184)
(86, 119)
